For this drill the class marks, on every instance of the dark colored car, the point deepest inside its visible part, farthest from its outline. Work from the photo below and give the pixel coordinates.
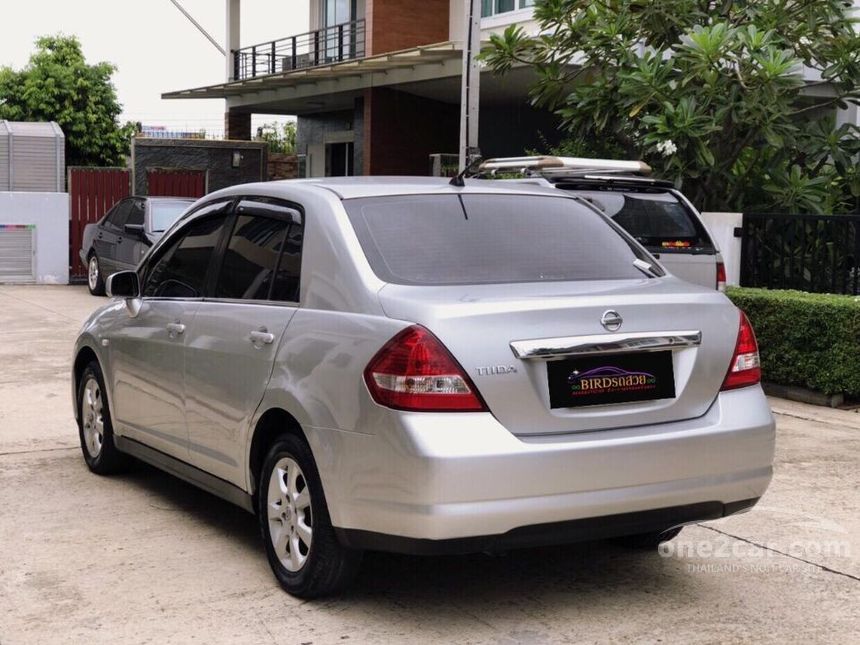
(122, 237)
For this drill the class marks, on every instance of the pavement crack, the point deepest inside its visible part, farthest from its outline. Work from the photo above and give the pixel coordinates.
(802, 417)
(34, 450)
(823, 567)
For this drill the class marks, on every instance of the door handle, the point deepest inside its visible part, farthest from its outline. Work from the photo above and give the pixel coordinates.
(175, 329)
(262, 337)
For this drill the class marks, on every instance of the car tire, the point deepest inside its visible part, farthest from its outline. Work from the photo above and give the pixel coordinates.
(94, 424)
(292, 511)
(649, 541)
(95, 280)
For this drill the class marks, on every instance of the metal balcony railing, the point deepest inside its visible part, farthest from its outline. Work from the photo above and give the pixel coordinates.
(321, 47)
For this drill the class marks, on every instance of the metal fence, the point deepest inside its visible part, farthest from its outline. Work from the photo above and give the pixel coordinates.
(816, 253)
(320, 47)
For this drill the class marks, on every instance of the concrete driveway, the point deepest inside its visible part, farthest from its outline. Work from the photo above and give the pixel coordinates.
(145, 558)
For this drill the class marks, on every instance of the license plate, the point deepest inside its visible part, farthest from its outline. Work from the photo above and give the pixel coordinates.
(610, 378)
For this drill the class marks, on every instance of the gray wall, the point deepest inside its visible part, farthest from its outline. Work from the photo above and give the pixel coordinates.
(508, 131)
(50, 214)
(313, 128)
(215, 157)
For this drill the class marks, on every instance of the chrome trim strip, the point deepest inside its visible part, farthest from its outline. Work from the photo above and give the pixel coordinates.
(604, 344)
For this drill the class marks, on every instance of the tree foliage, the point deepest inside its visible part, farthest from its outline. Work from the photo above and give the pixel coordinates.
(280, 137)
(710, 93)
(58, 85)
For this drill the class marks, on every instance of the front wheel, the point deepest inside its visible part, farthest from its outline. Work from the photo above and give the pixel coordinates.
(303, 551)
(94, 424)
(95, 281)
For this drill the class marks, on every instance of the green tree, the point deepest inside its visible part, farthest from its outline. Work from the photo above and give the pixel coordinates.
(58, 85)
(710, 93)
(281, 138)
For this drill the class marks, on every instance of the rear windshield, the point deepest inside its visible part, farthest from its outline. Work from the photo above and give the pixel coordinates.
(657, 219)
(165, 213)
(485, 239)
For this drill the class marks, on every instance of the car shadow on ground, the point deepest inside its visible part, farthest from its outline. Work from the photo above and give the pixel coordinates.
(581, 573)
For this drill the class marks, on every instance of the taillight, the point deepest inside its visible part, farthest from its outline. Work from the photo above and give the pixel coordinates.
(745, 368)
(721, 276)
(414, 371)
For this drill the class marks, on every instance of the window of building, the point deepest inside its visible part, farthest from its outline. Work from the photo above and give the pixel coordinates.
(495, 7)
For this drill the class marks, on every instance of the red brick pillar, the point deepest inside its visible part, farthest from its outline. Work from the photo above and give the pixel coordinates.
(237, 125)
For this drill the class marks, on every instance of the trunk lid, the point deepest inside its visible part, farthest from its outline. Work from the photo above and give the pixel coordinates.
(478, 324)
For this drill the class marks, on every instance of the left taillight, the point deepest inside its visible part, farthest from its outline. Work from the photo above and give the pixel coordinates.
(745, 368)
(721, 276)
(415, 371)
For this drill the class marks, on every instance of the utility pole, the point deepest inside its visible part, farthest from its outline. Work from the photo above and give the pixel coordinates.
(471, 87)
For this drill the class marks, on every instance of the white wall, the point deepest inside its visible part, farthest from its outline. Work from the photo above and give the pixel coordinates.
(50, 213)
(722, 228)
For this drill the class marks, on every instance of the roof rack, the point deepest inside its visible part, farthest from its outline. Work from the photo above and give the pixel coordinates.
(567, 166)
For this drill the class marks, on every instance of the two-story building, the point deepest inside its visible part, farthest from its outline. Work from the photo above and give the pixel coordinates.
(375, 85)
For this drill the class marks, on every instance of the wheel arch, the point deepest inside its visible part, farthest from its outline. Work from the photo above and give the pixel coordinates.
(84, 357)
(273, 423)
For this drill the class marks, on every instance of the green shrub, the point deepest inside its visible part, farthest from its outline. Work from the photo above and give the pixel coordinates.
(807, 339)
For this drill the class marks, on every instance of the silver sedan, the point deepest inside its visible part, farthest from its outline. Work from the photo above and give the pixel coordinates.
(408, 365)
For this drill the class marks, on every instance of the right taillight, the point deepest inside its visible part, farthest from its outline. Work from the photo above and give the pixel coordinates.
(721, 276)
(415, 371)
(745, 368)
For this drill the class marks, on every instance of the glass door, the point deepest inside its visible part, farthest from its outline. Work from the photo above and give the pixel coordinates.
(338, 35)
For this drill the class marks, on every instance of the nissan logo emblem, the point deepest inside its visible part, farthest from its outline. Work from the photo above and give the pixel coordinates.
(611, 321)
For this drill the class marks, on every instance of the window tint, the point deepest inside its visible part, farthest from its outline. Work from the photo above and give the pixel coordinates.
(477, 239)
(251, 258)
(657, 220)
(263, 257)
(135, 214)
(286, 287)
(117, 217)
(180, 271)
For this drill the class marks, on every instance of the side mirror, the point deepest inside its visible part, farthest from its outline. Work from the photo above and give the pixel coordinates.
(124, 284)
(134, 229)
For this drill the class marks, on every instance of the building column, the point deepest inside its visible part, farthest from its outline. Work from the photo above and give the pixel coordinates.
(232, 39)
(237, 125)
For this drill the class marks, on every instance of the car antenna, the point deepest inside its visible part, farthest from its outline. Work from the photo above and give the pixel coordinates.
(459, 179)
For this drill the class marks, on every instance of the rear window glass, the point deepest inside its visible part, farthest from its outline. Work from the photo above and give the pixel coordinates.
(165, 213)
(657, 220)
(483, 239)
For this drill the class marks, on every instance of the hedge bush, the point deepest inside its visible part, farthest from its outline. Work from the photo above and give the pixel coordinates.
(806, 339)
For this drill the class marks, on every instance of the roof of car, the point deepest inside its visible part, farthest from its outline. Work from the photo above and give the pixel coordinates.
(356, 187)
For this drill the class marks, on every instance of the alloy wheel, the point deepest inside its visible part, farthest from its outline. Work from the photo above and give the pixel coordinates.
(92, 408)
(289, 514)
(93, 273)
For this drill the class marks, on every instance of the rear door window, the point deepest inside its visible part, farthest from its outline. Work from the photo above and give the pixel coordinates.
(484, 239)
(656, 219)
(263, 256)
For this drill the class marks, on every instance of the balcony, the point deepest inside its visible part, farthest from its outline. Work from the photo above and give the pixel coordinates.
(321, 47)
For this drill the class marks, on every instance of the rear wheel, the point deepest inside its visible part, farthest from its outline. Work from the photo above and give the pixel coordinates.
(303, 551)
(647, 541)
(94, 424)
(95, 281)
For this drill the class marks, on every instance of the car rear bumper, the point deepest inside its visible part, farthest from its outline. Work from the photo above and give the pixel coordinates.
(440, 477)
(590, 528)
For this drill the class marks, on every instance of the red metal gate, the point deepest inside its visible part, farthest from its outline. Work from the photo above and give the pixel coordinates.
(92, 193)
(175, 183)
